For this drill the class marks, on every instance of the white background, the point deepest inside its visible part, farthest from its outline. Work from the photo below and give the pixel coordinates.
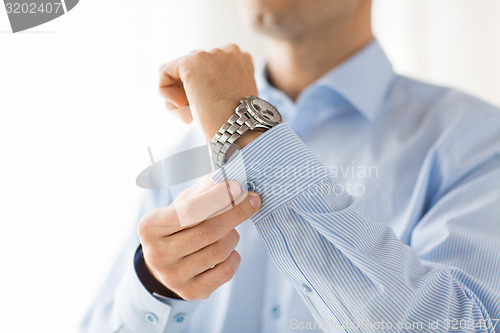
(74, 91)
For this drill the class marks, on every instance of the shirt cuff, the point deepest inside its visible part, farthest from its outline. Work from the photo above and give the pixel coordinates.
(140, 311)
(277, 165)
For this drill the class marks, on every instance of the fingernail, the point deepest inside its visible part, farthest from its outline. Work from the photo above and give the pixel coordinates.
(254, 199)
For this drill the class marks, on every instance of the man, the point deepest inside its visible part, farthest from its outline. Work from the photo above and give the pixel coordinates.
(375, 205)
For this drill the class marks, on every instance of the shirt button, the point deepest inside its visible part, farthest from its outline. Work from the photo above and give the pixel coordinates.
(275, 311)
(180, 317)
(305, 288)
(151, 318)
(248, 186)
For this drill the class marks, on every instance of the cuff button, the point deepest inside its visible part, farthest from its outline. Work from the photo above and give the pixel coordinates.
(248, 186)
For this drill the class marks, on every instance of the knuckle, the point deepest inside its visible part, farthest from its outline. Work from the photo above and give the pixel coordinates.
(235, 235)
(186, 70)
(218, 251)
(232, 47)
(216, 51)
(227, 272)
(168, 251)
(142, 230)
(237, 259)
(184, 212)
(172, 276)
(152, 256)
(144, 225)
(201, 56)
(159, 256)
(205, 233)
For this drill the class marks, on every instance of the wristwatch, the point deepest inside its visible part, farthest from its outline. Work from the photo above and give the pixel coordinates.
(252, 113)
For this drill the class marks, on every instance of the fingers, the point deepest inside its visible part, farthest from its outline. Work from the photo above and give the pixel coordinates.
(203, 285)
(202, 186)
(169, 72)
(198, 208)
(183, 113)
(209, 256)
(155, 224)
(211, 230)
(174, 95)
(196, 260)
(236, 202)
(241, 212)
(229, 48)
(190, 207)
(174, 73)
(170, 85)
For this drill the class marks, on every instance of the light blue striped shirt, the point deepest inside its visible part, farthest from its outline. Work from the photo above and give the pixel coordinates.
(381, 212)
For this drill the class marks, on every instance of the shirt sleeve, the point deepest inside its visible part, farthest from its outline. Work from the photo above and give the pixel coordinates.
(124, 304)
(354, 273)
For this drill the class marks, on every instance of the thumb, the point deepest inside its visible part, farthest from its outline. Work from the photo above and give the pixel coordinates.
(255, 200)
(250, 200)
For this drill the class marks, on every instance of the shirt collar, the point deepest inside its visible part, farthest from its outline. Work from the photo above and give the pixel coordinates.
(363, 80)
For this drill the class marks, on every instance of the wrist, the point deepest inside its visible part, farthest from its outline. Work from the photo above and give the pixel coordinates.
(251, 117)
(248, 137)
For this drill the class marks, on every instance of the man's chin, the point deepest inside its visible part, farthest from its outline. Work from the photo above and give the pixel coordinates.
(270, 29)
(277, 34)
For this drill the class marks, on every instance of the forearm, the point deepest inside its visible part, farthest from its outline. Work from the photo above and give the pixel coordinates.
(361, 273)
(348, 268)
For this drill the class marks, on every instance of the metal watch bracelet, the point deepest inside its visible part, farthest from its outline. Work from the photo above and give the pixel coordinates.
(238, 124)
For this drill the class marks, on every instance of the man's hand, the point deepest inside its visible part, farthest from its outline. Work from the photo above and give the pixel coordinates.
(212, 83)
(189, 245)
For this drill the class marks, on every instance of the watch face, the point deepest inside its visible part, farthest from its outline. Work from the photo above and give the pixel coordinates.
(265, 112)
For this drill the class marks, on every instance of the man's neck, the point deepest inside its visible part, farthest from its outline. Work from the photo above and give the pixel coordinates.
(295, 64)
